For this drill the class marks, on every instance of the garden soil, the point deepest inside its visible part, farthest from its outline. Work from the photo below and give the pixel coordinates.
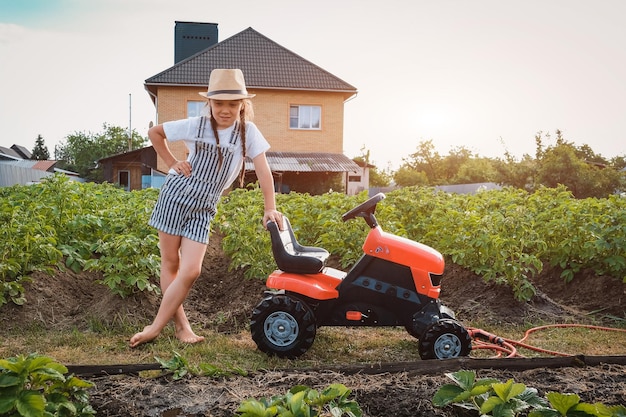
(67, 300)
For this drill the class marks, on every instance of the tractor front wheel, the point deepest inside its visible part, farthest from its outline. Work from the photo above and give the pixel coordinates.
(445, 339)
(284, 326)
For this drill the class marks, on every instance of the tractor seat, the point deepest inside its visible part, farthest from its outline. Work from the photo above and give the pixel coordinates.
(290, 256)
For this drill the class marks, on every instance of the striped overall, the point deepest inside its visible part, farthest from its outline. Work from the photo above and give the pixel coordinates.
(187, 205)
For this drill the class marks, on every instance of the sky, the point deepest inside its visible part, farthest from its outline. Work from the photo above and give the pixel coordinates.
(486, 75)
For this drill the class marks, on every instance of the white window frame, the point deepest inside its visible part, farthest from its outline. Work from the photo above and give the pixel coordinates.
(305, 117)
(195, 108)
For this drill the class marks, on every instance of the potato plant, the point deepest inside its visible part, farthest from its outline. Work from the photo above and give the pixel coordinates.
(66, 224)
(506, 236)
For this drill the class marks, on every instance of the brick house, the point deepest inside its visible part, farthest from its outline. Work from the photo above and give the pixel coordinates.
(299, 106)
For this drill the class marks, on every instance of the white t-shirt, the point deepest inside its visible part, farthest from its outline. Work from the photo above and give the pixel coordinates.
(199, 129)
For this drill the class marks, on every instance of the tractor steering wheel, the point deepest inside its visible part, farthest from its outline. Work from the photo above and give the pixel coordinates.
(364, 209)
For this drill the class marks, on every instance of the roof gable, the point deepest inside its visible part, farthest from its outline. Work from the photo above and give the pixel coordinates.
(22, 151)
(9, 153)
(265, 64)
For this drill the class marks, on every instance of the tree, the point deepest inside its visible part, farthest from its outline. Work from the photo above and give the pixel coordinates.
(81, 151)
(453, 162)
(40, 151)
(561, 164)
(475, 170)
(426, 160)
(516, 174)
(406, 176)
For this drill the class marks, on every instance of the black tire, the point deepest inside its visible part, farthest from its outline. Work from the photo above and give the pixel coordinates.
(284, 326)
(445, 339)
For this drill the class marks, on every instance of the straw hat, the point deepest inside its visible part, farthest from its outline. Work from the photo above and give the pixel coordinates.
(227, 84)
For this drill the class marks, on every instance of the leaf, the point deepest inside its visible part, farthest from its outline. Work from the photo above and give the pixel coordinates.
(252, 408)
(618, 411)
(74, 382)
(8, 380)
(562, 402)
(11, 365)
(464, 379)
(531, 397)
(508, 390)
(331, 392)
(446, 395)
(482, 386)
(490, 404)
(544, 412)
(8, 397)
(586, 409)
(296, 403)
(30, 404)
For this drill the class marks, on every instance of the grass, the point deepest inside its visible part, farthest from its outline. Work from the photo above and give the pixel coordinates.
(334, 346)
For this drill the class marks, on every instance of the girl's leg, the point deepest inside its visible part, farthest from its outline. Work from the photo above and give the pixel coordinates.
(192, 255)
(181, 263)
(171, 250)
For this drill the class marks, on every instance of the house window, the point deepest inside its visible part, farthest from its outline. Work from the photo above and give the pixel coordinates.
(354, 178)
(194, 108)
(123, 179)
(305, 117)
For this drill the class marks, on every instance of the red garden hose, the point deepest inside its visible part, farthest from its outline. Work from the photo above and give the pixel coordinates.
(489, 341)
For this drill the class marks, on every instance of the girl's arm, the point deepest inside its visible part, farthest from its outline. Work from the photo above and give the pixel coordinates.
(266, 181)
(156, 134)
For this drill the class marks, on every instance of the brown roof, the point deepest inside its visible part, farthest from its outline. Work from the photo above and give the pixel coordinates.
(307, 162)
(44, 165)
(264, 63)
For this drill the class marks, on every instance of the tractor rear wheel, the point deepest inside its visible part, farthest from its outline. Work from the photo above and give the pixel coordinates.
(445, 339)
(283, 325)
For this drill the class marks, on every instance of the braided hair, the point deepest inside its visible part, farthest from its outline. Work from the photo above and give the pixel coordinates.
(246, 110)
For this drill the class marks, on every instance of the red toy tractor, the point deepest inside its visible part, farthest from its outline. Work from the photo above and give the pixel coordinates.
(396, 282)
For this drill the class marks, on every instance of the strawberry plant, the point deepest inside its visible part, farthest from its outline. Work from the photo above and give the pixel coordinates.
(302, 401)
(569, 405)
(489, 397)
(486, 396)
(36, 385)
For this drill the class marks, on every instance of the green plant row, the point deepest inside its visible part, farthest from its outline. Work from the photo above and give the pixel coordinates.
(63, 223)
(490, 397)
(505, 236)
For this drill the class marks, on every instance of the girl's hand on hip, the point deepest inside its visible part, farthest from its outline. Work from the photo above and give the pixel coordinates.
(182, 167)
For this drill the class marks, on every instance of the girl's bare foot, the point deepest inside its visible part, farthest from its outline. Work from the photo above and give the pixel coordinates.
(145, 336)
(188, 336)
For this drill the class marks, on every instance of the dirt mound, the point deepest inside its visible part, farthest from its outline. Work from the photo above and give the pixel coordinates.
(223, 300)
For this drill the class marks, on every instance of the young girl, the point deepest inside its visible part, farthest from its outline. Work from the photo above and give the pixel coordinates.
(217, 144)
